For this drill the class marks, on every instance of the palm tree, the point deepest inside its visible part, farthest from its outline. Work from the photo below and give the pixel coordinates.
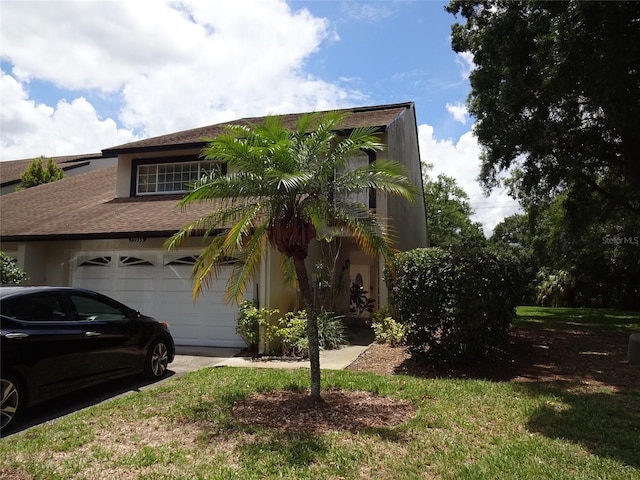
(284, 187)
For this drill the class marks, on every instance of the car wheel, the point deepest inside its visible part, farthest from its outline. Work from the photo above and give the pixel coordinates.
(11, 400)
(157, 359)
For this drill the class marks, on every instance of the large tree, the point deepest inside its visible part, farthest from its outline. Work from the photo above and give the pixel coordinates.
(286, 187)
(556, 91)
(449, 214)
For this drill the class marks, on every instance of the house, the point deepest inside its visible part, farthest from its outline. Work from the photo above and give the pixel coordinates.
(71, 165)
(104, 229)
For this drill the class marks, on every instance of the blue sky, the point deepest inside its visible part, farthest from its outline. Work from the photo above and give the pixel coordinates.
(80, 76)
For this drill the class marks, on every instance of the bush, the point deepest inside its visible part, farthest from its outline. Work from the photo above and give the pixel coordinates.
(386, 329)
(331, 330)
(250, 320)
(455, 305)
(10, 273)
(554, 288)
(287, 335)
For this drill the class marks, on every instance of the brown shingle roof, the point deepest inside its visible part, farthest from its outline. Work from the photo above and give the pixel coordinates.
(378, 116)
(11, 170)
(83, 206)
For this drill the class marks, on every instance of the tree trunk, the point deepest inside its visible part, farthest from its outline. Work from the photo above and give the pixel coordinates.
(312, 327)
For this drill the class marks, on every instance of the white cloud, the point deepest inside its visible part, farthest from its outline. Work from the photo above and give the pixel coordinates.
(461, 160)
(459, 112)
(465, 62)
(30, 129)
(366, 12)
(170, 65)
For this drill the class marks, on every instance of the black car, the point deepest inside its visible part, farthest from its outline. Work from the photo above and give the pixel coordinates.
(58, 339)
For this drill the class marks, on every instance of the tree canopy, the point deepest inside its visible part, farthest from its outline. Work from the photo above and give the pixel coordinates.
(448, 213)
(288, 187)
(556, 92)
(39, 172)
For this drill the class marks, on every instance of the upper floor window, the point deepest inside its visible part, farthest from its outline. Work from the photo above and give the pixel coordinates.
(170, 177)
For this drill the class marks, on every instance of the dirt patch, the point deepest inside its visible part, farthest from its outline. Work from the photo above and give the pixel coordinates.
(296, 411)
(592, 360)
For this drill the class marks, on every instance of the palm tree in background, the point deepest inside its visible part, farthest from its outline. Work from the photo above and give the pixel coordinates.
(285, 187)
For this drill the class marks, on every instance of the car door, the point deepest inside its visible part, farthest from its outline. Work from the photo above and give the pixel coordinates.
(111, 332)
(43, 342)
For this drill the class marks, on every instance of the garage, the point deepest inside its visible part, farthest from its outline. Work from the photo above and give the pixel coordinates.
(158, 284)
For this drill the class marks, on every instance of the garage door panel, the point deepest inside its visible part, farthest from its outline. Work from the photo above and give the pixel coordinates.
(148, 283)
(94, 278)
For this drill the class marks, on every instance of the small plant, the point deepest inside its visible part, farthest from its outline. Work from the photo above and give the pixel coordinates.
(250, 320)
(290, 332)
(386, 329)
(331, 330)
(360, 302)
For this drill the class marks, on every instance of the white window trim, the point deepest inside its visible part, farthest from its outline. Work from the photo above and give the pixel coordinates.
(201, 164)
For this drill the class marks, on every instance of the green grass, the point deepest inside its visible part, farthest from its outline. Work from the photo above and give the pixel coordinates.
(577, 318)
(464, 429)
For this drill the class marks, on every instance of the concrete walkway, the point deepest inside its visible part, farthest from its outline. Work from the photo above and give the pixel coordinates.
(193, 358)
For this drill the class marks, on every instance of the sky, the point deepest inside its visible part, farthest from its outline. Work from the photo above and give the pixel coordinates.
(81, 76)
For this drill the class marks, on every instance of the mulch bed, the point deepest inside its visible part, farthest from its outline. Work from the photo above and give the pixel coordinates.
(594, 359)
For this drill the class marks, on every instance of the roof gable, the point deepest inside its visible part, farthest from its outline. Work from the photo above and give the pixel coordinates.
(377, 116)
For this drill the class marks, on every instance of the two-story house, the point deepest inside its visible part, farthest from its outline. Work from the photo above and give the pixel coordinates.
(104, 230)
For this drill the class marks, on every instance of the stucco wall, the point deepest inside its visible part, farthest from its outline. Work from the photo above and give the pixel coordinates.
(409, 219)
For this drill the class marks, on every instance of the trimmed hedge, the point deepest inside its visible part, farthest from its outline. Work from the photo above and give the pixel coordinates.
(455, 305)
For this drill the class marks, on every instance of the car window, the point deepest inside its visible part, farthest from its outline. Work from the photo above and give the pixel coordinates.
(91, 308)
(41, 307)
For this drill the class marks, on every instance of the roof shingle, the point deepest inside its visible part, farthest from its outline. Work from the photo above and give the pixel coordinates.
(84, 205)
(378, 116)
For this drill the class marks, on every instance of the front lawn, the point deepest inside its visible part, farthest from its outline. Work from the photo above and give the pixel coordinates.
(191, 427)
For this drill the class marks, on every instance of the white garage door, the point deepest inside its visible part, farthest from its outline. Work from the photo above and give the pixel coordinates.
(158, 284)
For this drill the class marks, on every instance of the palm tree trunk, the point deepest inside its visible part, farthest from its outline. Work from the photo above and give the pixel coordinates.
(312, 327)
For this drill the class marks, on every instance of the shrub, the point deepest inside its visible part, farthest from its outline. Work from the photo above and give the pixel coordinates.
(455, 305)
(386, 329)
(287, 335)
(331, 330)
(554, 288)
(359, 301)
(10, 273)
(250, 320)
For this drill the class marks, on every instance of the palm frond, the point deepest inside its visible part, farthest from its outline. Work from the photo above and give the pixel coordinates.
(371, 235)
(288, 270)
(248, 259)
(383, 175)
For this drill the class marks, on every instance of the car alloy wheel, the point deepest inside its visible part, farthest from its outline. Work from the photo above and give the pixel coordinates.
(157, 360)
(10, 400)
